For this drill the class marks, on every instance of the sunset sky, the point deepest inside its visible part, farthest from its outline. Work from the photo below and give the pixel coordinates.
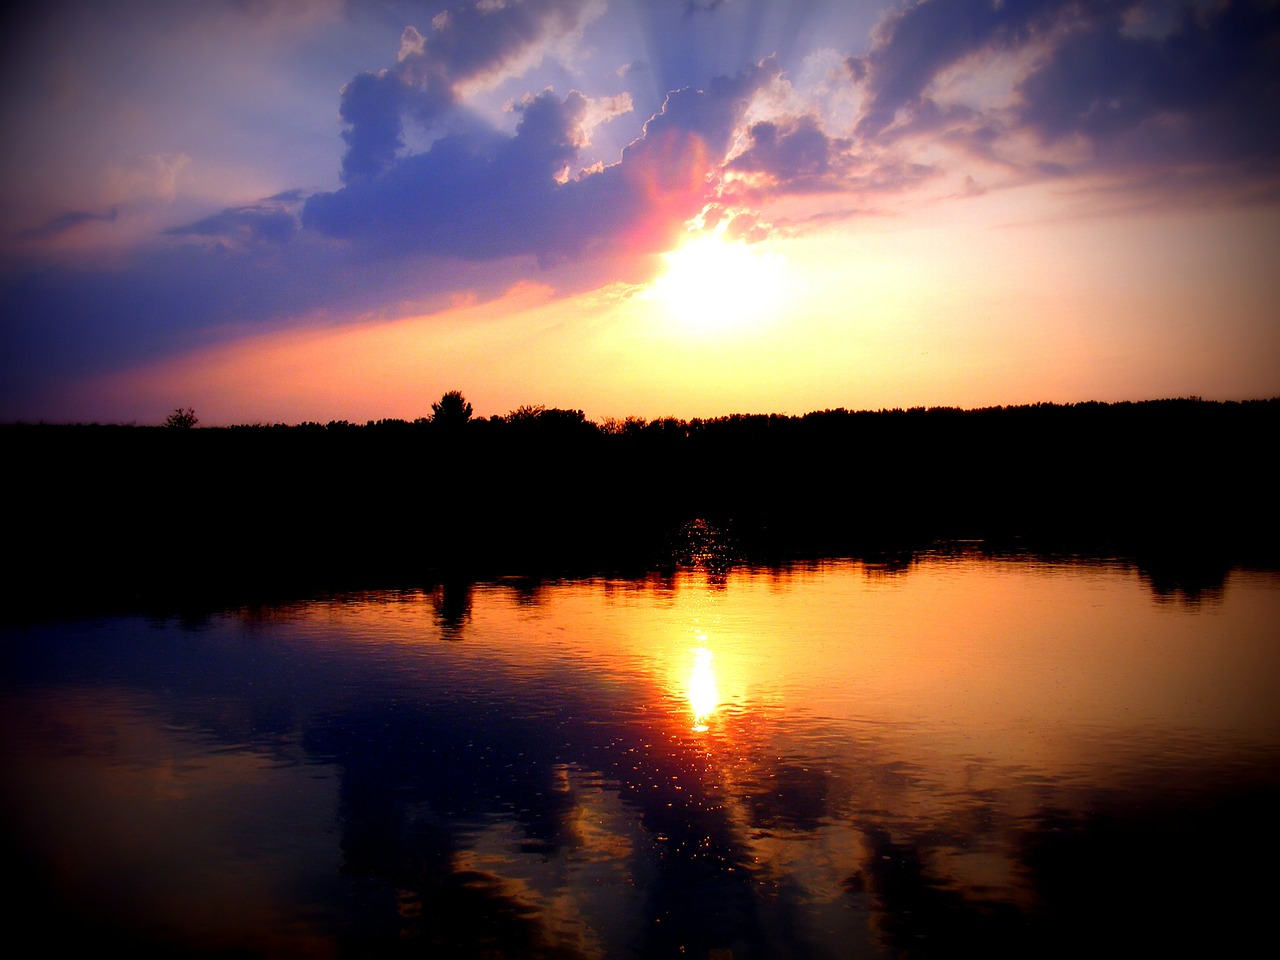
(281, 210)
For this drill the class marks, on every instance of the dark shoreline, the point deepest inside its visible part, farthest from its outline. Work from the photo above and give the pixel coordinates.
(125, 517)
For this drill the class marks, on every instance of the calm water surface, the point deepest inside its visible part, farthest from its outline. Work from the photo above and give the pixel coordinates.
(960, 756)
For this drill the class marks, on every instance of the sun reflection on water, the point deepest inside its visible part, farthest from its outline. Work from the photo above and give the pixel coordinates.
(704, 697)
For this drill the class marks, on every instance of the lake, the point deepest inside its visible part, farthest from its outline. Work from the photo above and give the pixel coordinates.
(949, 755)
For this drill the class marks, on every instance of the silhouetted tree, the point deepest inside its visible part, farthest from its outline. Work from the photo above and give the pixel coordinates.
(451, 410)
(181, 419)
(525, 414)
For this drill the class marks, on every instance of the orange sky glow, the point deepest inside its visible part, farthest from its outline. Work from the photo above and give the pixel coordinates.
(828, 206)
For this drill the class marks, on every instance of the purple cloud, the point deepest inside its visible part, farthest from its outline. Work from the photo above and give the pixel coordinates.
(56, 226)
(1143, 85)
(467, 196)
(795, 154)
(242, 226)
(464, 44)
(484, 195)
(372, 105)
(1209, 88)
(923, 40)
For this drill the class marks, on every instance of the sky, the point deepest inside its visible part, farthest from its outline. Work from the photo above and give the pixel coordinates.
(288, 211)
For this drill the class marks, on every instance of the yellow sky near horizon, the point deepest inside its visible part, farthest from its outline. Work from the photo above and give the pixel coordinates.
(994, 300)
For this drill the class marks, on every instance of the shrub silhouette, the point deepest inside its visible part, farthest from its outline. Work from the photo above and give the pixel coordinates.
(181, 419)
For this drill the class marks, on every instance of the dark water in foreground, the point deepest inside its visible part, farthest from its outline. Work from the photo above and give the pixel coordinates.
(959, 757)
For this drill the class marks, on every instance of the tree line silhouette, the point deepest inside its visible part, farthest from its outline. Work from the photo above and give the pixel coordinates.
(135, 512)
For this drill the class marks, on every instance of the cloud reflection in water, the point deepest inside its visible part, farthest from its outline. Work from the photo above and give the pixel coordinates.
(811, 762)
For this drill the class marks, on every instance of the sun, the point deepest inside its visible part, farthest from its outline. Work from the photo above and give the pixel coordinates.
(713, 284)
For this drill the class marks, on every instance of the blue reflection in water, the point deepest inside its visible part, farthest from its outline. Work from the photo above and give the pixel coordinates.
(834, 760)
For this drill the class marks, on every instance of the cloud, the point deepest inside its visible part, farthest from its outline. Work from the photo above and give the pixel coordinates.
(467, 45)
(916, 44)
(125, 192)
(795, 154)
(693, 7)
(482, 195)
(66, 222)
(1099, 87)
(147, 178)
(241, 226)
(72, 319)
(434, 196)
(1209, 88)
(401, 225)
(467, 196)
(372, 104)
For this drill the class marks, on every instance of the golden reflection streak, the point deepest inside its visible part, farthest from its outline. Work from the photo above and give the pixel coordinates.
(704, 696)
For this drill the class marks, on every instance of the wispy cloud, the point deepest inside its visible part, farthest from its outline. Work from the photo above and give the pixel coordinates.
(64, 222)
(1101, 88)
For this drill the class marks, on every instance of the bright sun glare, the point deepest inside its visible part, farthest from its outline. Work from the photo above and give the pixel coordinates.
(716, 285)
(704, 697)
